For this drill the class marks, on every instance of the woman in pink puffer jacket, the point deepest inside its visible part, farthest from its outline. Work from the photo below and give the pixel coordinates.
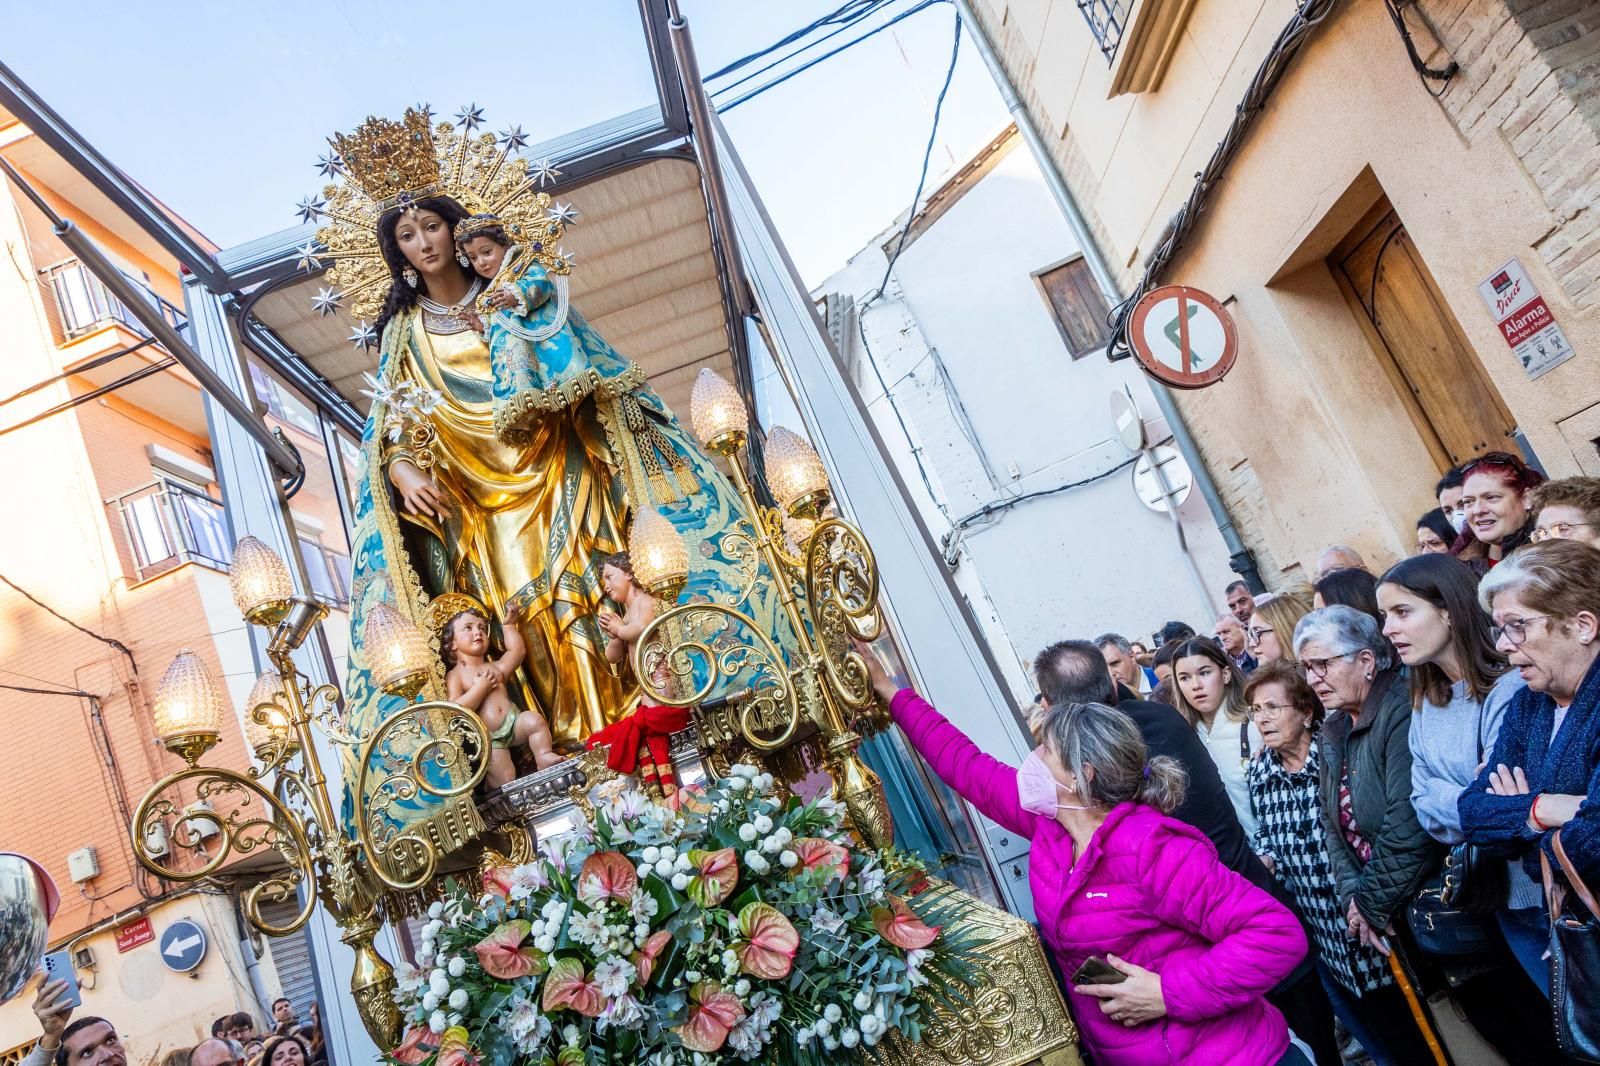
(1115, 878)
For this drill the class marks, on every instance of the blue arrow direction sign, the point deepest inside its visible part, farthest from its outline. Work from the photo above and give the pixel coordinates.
(183, 945)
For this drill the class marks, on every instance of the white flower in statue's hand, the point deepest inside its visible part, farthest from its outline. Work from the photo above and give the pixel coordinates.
(788, 860)
(435, 909)
(680, 881)
(747, 833)
(437, 1022)
(457, 967)
(459, 999)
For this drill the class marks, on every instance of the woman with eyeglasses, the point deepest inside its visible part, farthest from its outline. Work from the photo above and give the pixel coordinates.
(1380, 852)
(1271, 627)
(1495, 497)
(1545, 601)
(1434, 533)
(1568, 509)
(1286, 795)
(1460, 688)
(1210, 695)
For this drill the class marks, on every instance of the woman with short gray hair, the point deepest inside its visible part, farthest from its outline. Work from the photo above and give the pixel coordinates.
(1379, 851)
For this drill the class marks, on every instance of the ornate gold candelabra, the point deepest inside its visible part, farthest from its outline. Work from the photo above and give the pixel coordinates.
(827, 582)
(283, 805)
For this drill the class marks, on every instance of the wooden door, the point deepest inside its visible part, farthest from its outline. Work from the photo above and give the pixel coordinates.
(1457, 408)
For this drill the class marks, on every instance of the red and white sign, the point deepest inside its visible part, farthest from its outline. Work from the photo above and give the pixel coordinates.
(1525, 320)
(1183, 337)
(134, 933)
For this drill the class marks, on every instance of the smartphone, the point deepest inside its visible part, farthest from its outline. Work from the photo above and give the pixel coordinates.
(1097, 971)
(58, 967)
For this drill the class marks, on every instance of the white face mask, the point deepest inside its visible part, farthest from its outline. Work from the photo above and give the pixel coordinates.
(1458, 519)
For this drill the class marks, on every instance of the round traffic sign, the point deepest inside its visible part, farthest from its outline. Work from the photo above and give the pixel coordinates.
(1183, 337)
(1176, 473)
(183, 945)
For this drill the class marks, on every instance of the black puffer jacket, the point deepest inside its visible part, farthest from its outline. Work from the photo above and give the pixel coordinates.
(1376, 748)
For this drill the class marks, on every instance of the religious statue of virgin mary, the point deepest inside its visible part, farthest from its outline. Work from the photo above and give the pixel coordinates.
(453, 500)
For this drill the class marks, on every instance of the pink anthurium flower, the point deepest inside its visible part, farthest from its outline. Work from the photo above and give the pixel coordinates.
(900, 926)
(416, 1047)
(712, 1015)
(455, 1048)
(644, 960)
(768, 942)
(568, 987)
(503, 954)
(814, 852)
(607, 875)
(716, 873)
(497, 881)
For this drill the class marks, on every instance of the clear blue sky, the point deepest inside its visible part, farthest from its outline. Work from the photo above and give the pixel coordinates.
(221, 108)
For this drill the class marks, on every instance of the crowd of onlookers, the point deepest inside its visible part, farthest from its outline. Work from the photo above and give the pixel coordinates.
(1325, 828)
(235, 1039)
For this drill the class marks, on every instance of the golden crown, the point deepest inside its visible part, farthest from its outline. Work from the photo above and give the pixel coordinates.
(447, 605)
(385, 164)
(393, 162)
(473, 225)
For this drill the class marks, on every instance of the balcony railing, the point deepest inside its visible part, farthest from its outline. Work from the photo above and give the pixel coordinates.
(1107, 19)
(84, 305)
(169, 524)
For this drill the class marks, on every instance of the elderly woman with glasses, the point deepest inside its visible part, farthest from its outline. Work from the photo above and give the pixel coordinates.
(1286, 794)
(1545, 601)
(1380, 852)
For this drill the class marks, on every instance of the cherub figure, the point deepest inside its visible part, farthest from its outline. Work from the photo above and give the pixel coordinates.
(641, 740)
(477, 682)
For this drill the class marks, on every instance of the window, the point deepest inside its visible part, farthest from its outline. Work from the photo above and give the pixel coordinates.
(283, 404)
(328, 571)
(85, 304)
(169, 523)
(1107, 19)
(1078, 305)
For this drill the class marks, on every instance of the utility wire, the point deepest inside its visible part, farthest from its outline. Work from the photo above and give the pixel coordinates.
(111, 641)
(77, 401)
(98, 361)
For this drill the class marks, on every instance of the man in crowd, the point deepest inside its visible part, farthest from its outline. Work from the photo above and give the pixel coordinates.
(284, 1019)
(1240, 602)
(240, 1027)
(216, 1052)
(1338, 557)
(219, 1027)
(1229, 632)
(1568, 509)
(1173, 632)
(1449, 491)
(1125, 669)
(89, 1041)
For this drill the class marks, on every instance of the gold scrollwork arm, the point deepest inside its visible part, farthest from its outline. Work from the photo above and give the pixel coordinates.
(278, 828)
(436, 734)
(324, 708)
(752, 661)
(842, 601)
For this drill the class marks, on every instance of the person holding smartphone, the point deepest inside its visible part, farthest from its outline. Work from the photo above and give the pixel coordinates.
(88, 1041)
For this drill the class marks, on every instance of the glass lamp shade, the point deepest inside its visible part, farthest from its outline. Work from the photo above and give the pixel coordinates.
(188, 708)
(795, 474)
(659, 555)
(260, 582)
(718, 413)
(267, 689)
(397, 650)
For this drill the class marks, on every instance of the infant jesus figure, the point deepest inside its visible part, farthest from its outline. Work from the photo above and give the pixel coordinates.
(478, 683)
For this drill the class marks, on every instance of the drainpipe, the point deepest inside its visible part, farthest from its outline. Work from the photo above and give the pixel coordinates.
(1240, 559)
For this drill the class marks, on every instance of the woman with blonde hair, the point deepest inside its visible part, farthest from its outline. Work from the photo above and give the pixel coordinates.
(1271, 628)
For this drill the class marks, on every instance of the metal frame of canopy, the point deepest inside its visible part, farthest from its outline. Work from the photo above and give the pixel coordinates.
(757, 285)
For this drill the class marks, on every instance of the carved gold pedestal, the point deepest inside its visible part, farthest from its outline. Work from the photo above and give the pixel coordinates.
(1016, 1016)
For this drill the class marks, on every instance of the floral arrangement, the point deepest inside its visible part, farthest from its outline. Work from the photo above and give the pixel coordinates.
(729, 925)
(409, 402)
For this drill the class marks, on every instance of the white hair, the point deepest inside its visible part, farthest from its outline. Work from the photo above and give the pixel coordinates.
(1345, 629)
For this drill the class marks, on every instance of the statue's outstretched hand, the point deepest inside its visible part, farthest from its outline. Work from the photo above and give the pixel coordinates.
(418, 492)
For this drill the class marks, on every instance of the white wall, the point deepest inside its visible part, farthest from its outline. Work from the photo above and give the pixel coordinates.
(1070, 565)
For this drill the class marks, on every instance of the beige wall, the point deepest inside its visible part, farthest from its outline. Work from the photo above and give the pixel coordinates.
(1307, 437)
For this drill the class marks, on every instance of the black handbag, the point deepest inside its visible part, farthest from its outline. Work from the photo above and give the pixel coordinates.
(1574, 958)
(1452, 916)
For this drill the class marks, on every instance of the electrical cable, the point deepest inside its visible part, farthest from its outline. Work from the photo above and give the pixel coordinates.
(753, 93)
(1425, 72)
(93, 394)
(92, 364)
(855, 9)
(111, 641)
